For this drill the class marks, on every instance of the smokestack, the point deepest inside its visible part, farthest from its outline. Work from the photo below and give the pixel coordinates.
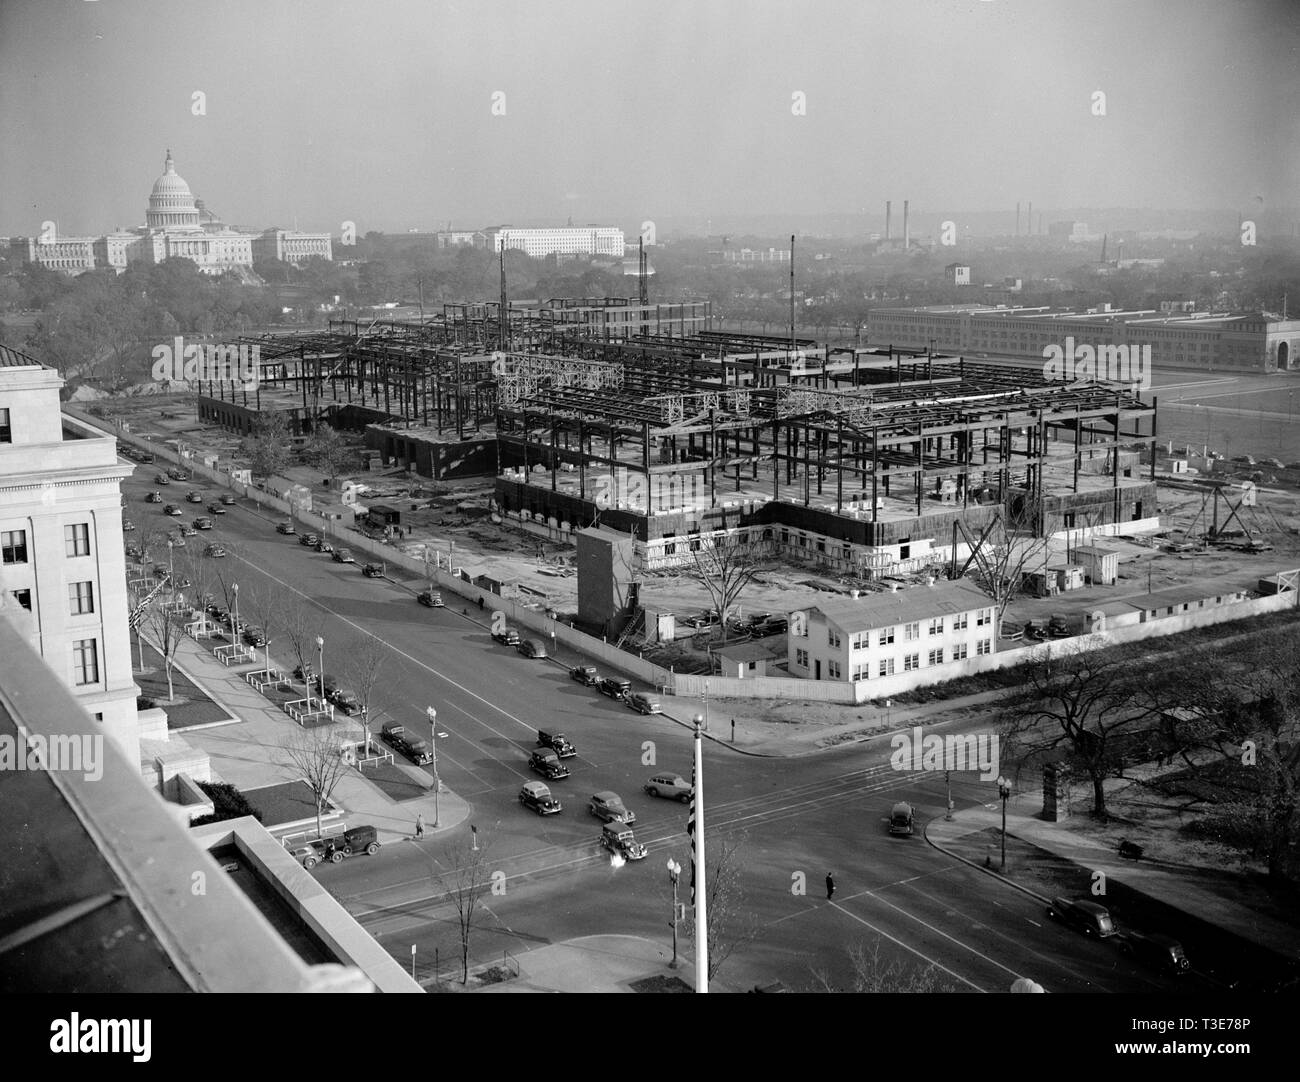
(1029, 222)
(907, 237)
(889, 211)
(1017, 219)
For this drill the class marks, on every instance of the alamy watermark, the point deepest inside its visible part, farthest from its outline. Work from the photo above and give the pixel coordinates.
(181, 363)
(81, 753)
(1118, 364)
(954, 751)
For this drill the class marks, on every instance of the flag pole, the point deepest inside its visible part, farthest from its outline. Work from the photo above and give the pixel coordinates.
(700, 891)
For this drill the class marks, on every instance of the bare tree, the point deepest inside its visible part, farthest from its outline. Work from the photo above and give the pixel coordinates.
(167, 634)
(265, 603)
(465, 882)
(363, 669)
(728, 923)
(725, 565)
(1086, 705)
(870, 973)
(319, 759)
(199, 571)
(301, 624)
(1011, 544)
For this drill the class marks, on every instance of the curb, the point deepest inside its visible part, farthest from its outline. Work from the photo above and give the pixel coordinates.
(980, 867)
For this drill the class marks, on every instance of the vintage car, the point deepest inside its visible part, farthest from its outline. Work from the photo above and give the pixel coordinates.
(373, 571)
(537, 796)
(186, 530)
(557, 742)
(900, 818)
(430, 598)
(254, 635)
(585, 674)
(344, 699)
(216, 509)
(161, 479)
(609, 806)
(215, 550)
(323, 546)
(671, 786)
(228, 499)
(203, 523)
(507, 636)
(285, 528)
(547, 764)
(193, 497)
(173, 510)
(614, 686)
(1083, 915)
(344, 556)
(307, 539)
(1160, 952)
(532, 648)
(618, 839)
(643, 703)
(153, 497)
(127, 525)
(407, 743)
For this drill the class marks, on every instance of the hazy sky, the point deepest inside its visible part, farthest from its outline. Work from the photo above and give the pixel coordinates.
(380, 111)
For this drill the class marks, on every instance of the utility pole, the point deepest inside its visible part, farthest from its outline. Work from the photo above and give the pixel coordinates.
(791, 296)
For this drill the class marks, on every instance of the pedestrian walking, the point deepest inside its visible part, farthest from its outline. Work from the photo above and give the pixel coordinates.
(830, 886)
(419, 827)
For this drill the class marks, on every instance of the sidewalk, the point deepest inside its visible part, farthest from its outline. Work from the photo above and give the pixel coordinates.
(250, 753)
(1221, 900)
(599, 963)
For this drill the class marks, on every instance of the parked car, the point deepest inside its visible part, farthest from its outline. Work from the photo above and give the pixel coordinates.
(175, 474)
(176, 540)
(532, 648)
(187, 530)
(146, 457)
(900, 818)
(254, 635)
(193, 497)
(671, 786)
(203, 523)
(214, 550)
(615, 687)
(537, 796)
(227, 499)
(557, 742)
(216, 509)
(324, 546)
(431, 598)
(618, 839)
(344, 556)
(585, 674)
(608, 805)
(507, 636)
(307, 539)
(1083, 916)
(173, 510)
(161, 479)
(643, 703)
(408, 743)
(1160, 952)
(351, 842)
(153, 497)
(135, 552)
(344, 699)
(128, 525)
(547, 764)
(285, 528)
(373, 571)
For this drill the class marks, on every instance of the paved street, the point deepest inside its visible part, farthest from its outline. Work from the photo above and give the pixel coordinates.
(795, 819)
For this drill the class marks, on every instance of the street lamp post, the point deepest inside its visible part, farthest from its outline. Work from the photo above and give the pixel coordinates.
(947, 777)
(674, 870)
(320, 673)
(432, 715)
(1004, 791)
(234, 589)
(705, 718)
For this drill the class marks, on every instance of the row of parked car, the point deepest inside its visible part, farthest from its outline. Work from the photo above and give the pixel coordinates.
(339, 555)
(615, 687)
(1094, 920)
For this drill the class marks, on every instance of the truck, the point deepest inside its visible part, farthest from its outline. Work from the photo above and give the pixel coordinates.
(407, 743)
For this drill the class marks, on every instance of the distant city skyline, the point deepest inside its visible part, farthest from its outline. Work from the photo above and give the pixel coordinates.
(309, 116)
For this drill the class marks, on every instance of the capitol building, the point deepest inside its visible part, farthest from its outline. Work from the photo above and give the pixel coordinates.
(176, 226)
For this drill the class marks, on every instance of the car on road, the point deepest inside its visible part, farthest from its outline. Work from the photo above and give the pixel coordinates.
(324, 546)
(1160, 952)
(548, 764)
(609, 806)
(173, 510)
(900, 818)
(135, 552)
(407, 743)
(507, 636)
(176, 540)
(285, 528)
(214, 550)
(254, 635)
(344, 556)
(621, 842)
(153, 497)
(344, 699)
(161, 479)
(430, 598)
(615, 687)
(203, 523)
(175, 474)
(193, 497)
(643, 703)
(373, 571)
(537, 796)
(671, 786)
(1083, 915)
(228, 499)
(216, 509)
(146, 457)
(532, 648)
(557, 742)
(307, 538)
(187, 530)
(350, 843)
(585, 675)
(128, 525)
